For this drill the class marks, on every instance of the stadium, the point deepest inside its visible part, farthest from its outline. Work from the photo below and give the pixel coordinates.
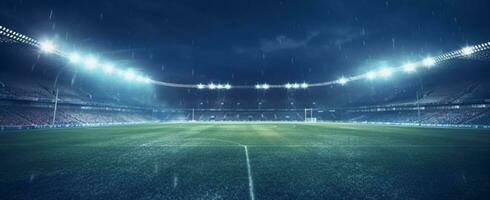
(244, 99)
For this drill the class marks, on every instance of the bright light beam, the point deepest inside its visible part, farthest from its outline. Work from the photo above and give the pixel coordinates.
(91, 62)
(467, 51)
(74, 58)
(342, 81)
(429, 62)
(265, 86)
(385, 72)
(47, 46)
(409, 67)
(371, 75)
(129, 75)
(108, 68)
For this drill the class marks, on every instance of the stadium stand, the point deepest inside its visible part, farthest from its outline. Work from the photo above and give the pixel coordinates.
(29, 101)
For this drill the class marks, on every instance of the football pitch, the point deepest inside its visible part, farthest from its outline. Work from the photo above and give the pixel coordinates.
(245, 161)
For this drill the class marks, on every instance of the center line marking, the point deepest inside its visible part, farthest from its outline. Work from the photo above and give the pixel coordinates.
(250, 180)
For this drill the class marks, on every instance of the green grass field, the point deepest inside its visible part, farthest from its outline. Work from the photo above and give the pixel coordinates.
(245, 161)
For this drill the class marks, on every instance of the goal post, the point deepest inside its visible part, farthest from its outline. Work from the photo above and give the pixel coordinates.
(309, 115)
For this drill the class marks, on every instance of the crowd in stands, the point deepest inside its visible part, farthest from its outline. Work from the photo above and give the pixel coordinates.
(35, 116)
(31, 102)
(445, 116)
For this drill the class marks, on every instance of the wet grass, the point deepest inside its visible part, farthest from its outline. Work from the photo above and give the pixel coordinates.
(207, 161)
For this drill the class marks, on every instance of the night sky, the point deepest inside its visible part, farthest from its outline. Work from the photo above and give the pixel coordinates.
(245, 42)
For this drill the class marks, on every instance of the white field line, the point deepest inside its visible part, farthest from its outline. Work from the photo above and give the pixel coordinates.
(312, 145)
(275, 146)
(250, 179)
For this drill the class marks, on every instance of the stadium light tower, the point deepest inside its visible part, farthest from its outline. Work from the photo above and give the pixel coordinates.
(47, 46)
(304, 85)
(258, 86)
(429, 62)
(288, 86)
(200, 86)
(295, 86)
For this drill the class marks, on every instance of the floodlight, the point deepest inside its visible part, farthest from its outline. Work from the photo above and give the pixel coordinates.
(91, 63)
(74, 58)
(212, 86)
(371, 75)
(140, 78)
(385, 72)
(147, 80)
(108, 68)
(295, 86)
(219, 86)
(409, 67)
(429, 61)
(304, 85)
(342, 81)
(258, 86)
(288, 86)
(227, 86)
(265, 86)
(200, 86)
(467, 51)
(47, 46)
(129, 75)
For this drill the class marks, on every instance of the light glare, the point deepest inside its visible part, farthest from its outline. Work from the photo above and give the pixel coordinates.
(371, 75)
(108, 68)
(129, 75)
(265, 86)
(429, 61)
(385, 72)
(47, 46)
(91, 63)
(409, 67)
(467, 51)
(74, 58)
(342, 81)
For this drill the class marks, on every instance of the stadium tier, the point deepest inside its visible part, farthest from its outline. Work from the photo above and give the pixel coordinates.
(29, 102)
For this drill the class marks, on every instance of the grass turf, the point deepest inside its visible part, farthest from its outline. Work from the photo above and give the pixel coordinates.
(208, 161)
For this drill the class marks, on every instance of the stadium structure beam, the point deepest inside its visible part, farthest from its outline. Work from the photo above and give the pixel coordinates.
(48, 47)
